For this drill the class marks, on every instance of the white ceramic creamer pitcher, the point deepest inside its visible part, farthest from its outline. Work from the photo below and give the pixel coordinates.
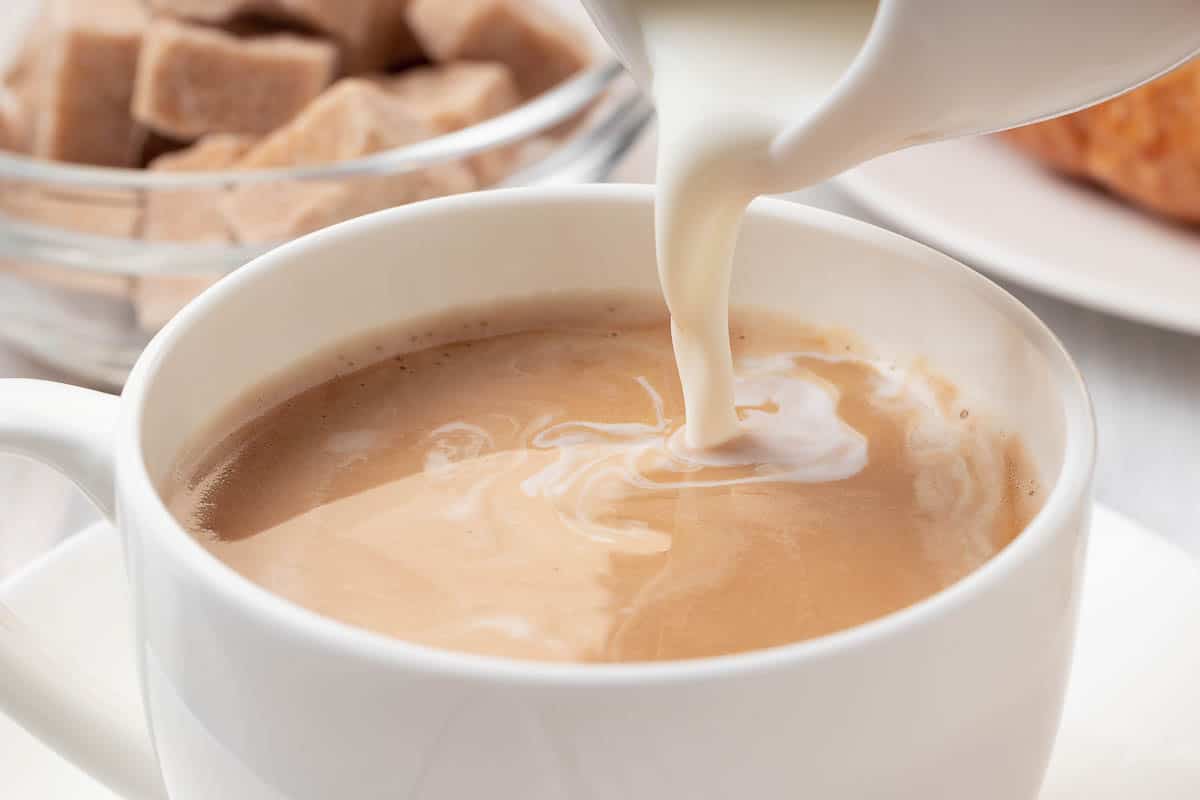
(905, 72)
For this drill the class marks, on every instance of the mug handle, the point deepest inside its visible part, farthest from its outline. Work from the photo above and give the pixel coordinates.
(70, 429)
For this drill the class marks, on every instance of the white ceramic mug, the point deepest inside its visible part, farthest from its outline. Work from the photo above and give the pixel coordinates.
(249, 697)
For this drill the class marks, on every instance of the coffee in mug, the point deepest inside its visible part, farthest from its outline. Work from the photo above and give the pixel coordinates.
(513, 480)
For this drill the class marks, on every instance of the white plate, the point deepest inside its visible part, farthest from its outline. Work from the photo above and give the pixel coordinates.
(1000, 212)
(1131, 726)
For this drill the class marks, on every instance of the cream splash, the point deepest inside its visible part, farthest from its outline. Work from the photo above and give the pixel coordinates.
(789, 432)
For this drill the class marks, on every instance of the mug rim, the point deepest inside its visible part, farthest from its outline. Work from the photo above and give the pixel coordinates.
(136, 487)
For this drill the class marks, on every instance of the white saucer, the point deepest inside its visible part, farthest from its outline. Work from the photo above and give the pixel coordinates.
(1131, 730)
(986, 204)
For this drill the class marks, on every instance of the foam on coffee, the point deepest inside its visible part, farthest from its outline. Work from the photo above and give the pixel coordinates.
(517, 484)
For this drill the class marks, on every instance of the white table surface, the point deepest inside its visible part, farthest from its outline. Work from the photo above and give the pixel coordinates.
(1145, 383)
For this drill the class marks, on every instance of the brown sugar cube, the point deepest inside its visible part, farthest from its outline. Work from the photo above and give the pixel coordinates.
(91, 299)
(156, 145)
(22, 73)
(14, 123)
(459, 94)
(372, 34)
(86, 75)
(214, 152)
(387, 42)
(282, 211)
(189, 215)
(353, 118)
(495, 164)
(98, 212)
(346, 20)
(157, 300)
(70, 281)
(456, 95)
(276, 212)
(541, 49)
(19, 94)
(202, 10)
(193, 215)
(193, 80)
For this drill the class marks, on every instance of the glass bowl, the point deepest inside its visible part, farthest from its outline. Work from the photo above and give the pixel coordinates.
(94, 260)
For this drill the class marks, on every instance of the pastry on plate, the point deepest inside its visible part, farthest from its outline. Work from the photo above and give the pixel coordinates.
(1143, 146)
